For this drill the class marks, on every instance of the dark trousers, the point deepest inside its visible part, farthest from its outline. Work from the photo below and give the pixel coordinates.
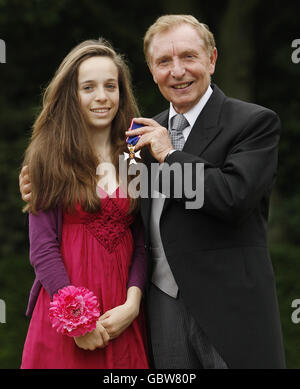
(177, 341)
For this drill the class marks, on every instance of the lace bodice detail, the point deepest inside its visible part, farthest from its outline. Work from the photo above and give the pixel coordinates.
(107, 225)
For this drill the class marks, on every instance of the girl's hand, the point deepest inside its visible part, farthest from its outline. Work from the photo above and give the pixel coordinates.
(98, 338)
(116, 320)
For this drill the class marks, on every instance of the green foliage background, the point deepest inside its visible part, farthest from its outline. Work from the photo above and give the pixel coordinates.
(254, 44)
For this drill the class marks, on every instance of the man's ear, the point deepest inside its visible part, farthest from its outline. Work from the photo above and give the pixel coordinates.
(153, 74)
(213, 59)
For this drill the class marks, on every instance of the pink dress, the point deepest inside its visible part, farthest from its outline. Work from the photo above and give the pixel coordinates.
(97, 251)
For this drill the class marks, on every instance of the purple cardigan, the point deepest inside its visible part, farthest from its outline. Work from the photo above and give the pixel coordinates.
(45, 230)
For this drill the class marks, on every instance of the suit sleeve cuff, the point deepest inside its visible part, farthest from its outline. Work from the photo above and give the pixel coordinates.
(169, 153)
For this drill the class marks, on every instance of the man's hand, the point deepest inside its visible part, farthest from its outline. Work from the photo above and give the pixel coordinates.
(154, 136)
(98, 338)
(24, 184)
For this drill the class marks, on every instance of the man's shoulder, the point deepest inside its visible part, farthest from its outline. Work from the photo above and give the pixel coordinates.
(238, 114)
(244, 108)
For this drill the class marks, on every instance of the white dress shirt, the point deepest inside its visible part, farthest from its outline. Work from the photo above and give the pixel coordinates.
(192, 114)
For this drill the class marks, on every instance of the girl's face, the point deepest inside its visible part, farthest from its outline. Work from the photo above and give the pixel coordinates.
(98, 91)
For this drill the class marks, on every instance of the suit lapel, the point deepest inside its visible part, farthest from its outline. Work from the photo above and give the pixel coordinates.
(163, 118)
(206, 126)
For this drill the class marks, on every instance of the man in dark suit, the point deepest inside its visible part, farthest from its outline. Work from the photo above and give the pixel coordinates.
(211, 299)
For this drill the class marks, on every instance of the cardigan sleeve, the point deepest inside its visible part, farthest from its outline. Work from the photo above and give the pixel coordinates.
(138, 269)
(45, 256)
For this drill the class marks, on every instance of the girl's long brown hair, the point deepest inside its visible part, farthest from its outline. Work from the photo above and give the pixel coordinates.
(62, 162)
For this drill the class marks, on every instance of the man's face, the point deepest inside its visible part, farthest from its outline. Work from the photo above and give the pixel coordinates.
(180, 66)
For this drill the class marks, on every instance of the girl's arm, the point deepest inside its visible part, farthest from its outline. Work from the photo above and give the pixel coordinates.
(138, 270)
(45, 256)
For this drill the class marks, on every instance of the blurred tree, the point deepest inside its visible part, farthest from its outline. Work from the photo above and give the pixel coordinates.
(236, 45)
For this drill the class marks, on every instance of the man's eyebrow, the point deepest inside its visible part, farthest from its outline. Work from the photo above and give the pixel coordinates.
(189, 51)
(165, 56)
(181, 54)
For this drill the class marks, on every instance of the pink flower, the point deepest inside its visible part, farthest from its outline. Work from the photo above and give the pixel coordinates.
(74, 311)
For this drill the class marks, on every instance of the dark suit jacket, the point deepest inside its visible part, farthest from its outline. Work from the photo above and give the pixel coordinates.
(218, 253)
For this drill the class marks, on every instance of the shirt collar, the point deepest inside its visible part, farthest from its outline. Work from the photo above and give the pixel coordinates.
(193, 113)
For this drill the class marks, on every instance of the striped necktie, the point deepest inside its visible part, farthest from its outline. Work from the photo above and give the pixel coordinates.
(179, 123)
